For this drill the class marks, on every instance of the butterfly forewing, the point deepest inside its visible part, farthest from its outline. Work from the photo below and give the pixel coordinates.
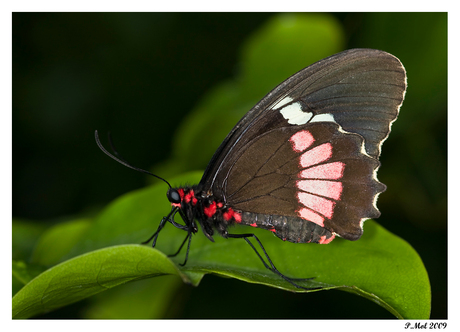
(359, 89)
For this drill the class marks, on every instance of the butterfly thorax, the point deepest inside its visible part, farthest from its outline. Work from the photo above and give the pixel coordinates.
(212, 213)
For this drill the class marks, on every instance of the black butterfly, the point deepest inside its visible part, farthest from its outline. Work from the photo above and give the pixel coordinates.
(301, 163)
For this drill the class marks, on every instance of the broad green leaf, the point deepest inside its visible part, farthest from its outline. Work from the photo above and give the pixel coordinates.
(23, 273)
(90, 274)
(380, 266)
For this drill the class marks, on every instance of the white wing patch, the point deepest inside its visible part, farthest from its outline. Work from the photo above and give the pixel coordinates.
(294, 115)
(326, 117)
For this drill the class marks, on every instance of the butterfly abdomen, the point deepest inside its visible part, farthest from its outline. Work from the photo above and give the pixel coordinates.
(213, 214)
(288, 228)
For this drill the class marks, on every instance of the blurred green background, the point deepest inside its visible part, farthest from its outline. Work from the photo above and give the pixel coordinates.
(161, 83)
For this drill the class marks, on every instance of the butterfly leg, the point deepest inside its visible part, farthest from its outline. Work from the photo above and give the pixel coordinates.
(272, 266)
(189, 237)
(191, 228)
(170, 218)
(188, 248)
(155, 235)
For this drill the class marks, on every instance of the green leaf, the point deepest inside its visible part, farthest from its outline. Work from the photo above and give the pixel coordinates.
(380, 266)
(23, 273)
(90, 274)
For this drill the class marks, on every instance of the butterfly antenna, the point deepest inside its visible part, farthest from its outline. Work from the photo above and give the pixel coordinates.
(117, 157)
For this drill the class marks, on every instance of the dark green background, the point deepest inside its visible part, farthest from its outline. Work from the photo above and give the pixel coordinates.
(138, 74)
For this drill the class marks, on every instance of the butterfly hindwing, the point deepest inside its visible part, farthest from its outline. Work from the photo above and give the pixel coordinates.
(313, 173)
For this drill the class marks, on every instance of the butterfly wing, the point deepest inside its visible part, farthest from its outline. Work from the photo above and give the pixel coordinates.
(309, 149)
(313, 172)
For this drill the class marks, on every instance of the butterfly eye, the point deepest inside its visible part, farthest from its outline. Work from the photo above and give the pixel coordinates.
(173, 196)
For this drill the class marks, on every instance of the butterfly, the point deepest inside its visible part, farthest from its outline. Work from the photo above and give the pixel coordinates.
(302, 163)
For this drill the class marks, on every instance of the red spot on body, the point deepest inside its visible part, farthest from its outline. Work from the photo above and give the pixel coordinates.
(210, 210)
(323, 239)
(301, 140)
(273, 230)
(189, 196)
(181, 193)
(253, 225)
(228, 214)
(219, 205)
(237, 217)
(316, 155)
(176, 205)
